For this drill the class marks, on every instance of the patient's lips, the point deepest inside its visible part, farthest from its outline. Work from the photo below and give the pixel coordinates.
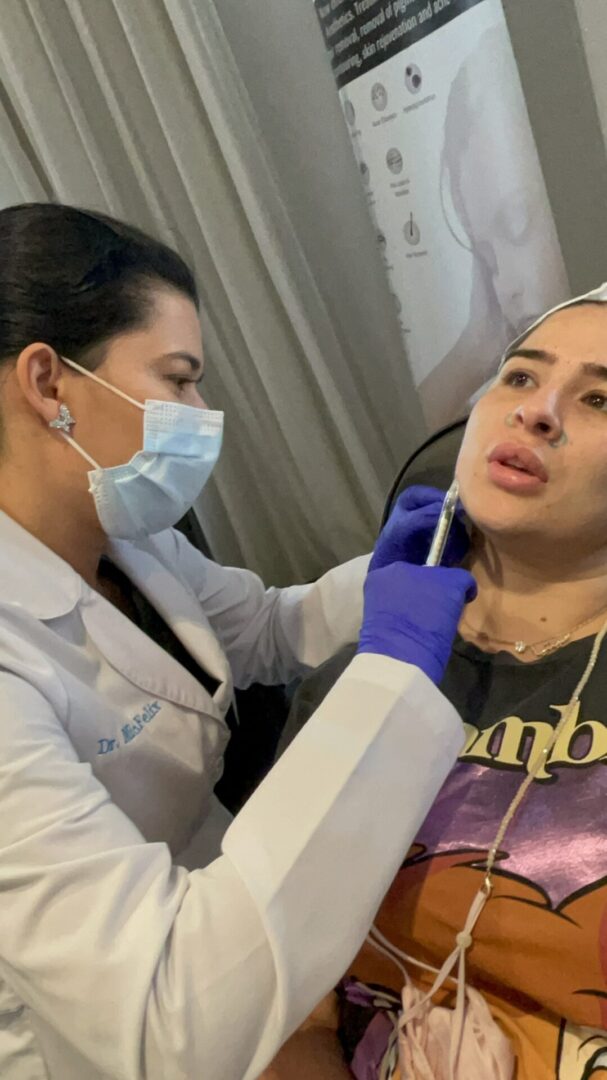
(516, 468)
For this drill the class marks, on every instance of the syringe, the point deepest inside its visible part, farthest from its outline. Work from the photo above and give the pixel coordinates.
(441, 532)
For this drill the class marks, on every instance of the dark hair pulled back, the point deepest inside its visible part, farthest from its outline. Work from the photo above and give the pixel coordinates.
(75, 278)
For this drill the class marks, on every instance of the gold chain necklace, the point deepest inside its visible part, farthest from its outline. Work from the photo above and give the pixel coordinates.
(538, 648)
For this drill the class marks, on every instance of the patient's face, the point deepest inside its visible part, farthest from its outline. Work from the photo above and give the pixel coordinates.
(533, 461)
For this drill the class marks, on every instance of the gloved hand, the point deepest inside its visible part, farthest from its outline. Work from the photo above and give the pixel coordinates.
(411, 613)
(408, 532)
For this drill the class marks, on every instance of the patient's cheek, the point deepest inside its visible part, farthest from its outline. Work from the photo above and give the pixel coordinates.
(468, 470)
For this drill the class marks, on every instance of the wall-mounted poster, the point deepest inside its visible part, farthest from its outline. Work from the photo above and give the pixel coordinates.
(435, 109)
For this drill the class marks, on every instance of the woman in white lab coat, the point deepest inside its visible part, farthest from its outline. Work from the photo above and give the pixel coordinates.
(129, 946)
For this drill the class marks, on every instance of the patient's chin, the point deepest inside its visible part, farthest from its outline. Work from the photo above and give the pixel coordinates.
(501, 523)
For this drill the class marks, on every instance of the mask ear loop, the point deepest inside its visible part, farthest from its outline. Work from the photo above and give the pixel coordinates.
(102, 382)
(83, 453)
(65, 420)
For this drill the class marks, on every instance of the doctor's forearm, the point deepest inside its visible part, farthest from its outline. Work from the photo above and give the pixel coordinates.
(353, 789)
(305, 625)
(331, 612)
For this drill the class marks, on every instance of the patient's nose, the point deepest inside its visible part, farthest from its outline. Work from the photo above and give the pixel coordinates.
(539, 418)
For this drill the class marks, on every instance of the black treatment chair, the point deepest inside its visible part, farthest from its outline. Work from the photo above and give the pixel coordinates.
(432, 465)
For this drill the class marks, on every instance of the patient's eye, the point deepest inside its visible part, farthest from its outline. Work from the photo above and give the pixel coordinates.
(596, 400)
(517, 378)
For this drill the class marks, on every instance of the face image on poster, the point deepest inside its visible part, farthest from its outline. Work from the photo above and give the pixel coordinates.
(437, 117)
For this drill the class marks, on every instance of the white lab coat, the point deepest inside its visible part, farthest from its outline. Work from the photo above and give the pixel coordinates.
(123, 955)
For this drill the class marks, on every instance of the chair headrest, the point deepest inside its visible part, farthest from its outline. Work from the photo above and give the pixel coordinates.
(433, 463)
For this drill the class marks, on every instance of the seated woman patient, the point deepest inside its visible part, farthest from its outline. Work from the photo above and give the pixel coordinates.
(508, 876)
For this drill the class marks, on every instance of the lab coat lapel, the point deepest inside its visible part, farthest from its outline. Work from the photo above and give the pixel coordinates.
(181, 610)
(35, 579)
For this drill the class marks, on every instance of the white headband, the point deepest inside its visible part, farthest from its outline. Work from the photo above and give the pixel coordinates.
(597, 296)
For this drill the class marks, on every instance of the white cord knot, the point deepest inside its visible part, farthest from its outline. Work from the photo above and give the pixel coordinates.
(464, 939)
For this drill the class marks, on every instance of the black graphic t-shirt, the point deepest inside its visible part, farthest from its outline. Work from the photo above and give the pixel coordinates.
(540, 946)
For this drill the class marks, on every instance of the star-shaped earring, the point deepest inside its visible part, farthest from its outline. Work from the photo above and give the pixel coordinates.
(64, 421)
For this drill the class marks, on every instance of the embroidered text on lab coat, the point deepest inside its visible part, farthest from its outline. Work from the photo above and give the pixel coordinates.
(130, 730)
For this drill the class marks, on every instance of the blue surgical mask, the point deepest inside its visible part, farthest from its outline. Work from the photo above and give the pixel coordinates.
(161, 482)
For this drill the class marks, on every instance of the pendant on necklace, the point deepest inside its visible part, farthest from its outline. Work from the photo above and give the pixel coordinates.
(520, 647)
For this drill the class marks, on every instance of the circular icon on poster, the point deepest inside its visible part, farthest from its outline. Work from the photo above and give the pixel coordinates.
(379, 96)
(349, 111)
(394, 160)
(413, 78)
(411, 232)
(364, 172)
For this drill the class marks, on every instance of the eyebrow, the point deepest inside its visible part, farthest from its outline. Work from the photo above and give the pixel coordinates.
(195, 364)
(597, 371)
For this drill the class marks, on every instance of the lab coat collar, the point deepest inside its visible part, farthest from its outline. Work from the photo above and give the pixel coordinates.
(32, 576)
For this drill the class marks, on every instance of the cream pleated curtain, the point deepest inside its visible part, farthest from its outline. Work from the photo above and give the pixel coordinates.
(137, 107)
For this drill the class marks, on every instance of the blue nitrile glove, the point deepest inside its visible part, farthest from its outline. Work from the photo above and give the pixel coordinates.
(408, 532)
(411, 613)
